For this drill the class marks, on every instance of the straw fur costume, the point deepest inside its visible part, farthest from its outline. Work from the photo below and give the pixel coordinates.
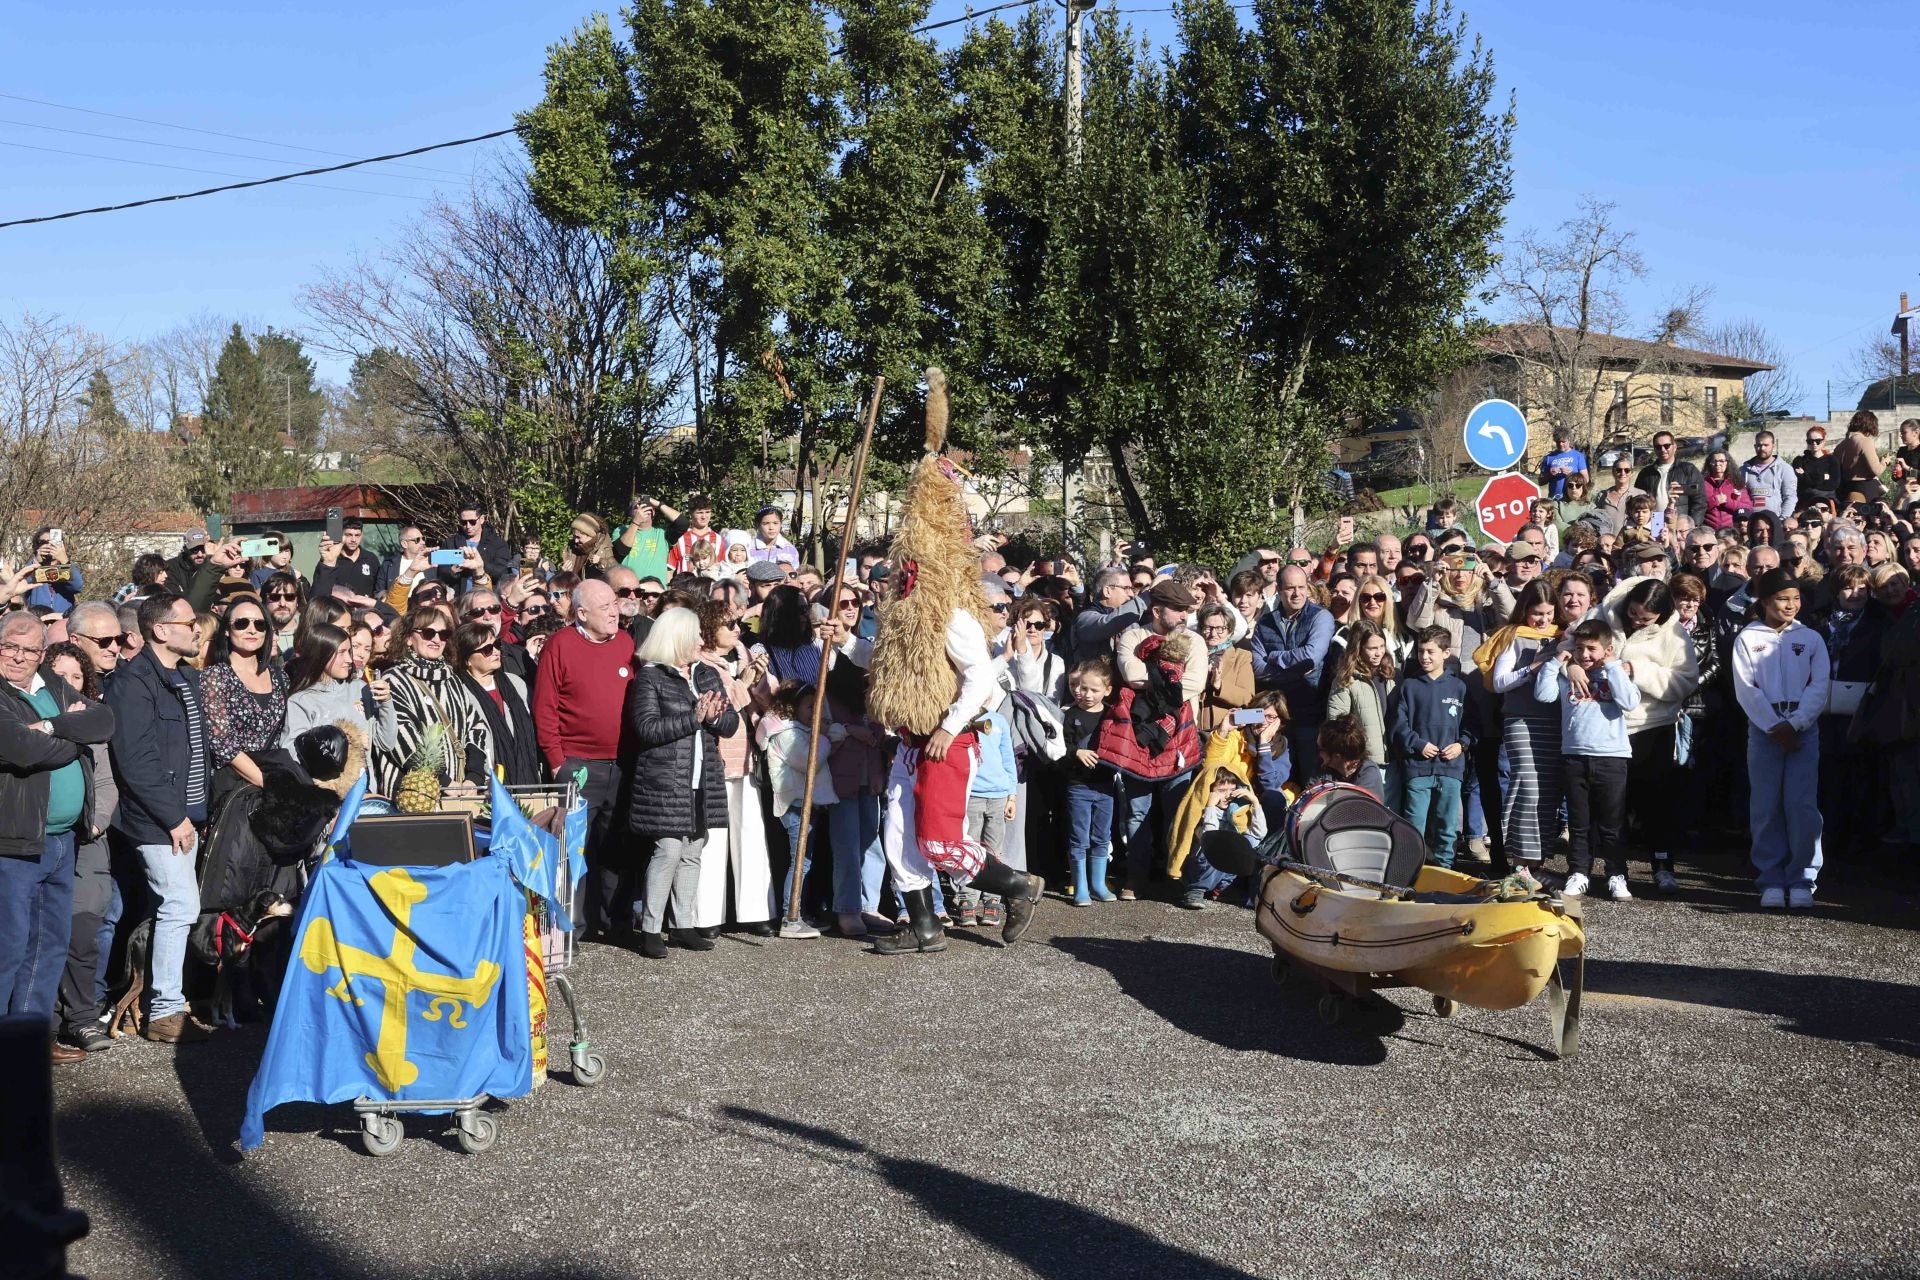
(933, 676)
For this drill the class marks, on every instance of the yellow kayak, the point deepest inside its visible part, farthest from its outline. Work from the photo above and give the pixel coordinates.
(1346, 895)
(1453, 938)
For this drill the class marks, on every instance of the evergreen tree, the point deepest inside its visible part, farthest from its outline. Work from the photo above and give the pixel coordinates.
(100, 412)
(289, 373)
(237, 443)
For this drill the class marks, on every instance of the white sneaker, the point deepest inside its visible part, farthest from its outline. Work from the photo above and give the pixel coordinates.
(797, 929)
(1663, 880)
(1617, 889)
(1800, 897)
(1773, 898)
(1575, 887)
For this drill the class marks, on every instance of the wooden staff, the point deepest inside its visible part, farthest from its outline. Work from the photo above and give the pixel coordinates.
(826, 654)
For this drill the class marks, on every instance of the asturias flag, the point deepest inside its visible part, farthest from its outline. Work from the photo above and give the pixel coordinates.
(405, 982)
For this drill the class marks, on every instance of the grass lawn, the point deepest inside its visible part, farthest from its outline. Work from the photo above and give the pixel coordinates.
(1466, 489)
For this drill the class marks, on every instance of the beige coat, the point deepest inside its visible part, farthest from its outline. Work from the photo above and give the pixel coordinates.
(1664, 668)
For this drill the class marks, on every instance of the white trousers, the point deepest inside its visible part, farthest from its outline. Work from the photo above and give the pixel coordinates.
(743, 845)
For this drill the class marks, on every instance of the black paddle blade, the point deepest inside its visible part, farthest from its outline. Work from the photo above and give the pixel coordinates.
(1229, 851)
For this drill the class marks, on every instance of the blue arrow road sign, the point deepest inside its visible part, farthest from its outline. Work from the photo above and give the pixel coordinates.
(1496, 434)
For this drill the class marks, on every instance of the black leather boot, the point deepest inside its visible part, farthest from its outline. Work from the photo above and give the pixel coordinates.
(1021, 891)
(923, 931)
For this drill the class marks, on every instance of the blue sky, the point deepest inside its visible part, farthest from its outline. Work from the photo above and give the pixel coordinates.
(1764, 149)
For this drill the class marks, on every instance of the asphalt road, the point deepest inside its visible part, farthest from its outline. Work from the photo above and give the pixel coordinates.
(1123, 1094)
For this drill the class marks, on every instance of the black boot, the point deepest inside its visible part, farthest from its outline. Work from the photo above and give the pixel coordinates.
(693, 939)
(1021, 891)
(923, 931)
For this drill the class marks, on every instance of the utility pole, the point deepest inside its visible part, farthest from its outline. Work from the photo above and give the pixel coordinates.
(1076, 12)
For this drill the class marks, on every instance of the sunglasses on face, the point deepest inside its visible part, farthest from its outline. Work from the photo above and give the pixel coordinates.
(1299, 564)
(489, 647)
(1269, 560)
(627, 593)
(283, 595)
(535, 611)
(1373, 597)
(484, 611)
(469, 523)
(105, 642)
(849, 604)
(433, 635)
(1001, 608)
(246, 624)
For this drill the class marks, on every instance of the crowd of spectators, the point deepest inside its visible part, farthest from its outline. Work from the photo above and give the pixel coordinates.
(1689, 658)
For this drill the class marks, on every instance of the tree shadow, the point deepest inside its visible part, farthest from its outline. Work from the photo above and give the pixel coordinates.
(1053, 1238)
(200, 1218)
(1228, 998)
(1828, 1006)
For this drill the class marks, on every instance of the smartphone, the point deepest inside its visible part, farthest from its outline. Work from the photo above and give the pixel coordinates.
(55, 537)
(335, 527)
(260, 547)
(1249, 715)
(446, 558)
(214, 524)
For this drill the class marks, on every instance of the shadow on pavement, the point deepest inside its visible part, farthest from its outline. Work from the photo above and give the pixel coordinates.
(1228, 998)
(1054, 1238)
(193, 1216)
(1858, 1010)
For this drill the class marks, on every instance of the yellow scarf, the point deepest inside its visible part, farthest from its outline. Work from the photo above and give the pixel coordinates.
(1500, 641)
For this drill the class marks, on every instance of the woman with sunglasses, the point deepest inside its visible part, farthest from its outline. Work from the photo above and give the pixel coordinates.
(1036, 668)
(743, 841)
(425, 694)
(497, 703)
(322, 689)
(1372, 603)
(244, 694)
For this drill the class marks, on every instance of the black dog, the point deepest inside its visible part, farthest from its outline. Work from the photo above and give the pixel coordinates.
(247, 948)
(126, 1016)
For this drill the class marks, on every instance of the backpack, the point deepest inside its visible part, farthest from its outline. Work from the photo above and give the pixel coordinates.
(1039, 729)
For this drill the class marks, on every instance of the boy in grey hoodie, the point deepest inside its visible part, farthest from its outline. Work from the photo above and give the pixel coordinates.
(1594, 694)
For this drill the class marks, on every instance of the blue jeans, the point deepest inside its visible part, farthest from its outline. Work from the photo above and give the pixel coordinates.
(1440, 797)
(1784, 811)
(1200, 874)
(853, 826)
(791, 821)
(1089, 821)
(171, 878)
(1138, 795)
(36, 919)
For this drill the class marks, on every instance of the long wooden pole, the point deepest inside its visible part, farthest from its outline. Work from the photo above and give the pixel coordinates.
(826, 652)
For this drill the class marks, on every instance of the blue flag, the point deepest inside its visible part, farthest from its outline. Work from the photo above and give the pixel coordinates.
(405, 982)
(533, 854)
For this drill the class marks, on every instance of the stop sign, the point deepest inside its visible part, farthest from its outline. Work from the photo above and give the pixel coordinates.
(1503, 505)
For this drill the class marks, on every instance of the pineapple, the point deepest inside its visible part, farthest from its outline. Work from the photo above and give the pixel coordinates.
(419, 790)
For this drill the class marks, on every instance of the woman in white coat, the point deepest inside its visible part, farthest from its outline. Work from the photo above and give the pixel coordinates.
(1658, 656)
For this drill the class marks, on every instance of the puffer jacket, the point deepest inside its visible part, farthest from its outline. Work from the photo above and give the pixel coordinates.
(1664, 667)
(658, 744)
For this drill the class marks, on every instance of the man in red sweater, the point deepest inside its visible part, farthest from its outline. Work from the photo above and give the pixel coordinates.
(577, 701)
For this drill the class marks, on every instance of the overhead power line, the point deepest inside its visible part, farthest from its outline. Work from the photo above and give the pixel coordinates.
(212, 133)
(205, 151)
(256, 182)
(217, 173)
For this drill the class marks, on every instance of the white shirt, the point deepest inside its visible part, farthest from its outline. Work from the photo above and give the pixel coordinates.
(973, 662)
(1780, 676)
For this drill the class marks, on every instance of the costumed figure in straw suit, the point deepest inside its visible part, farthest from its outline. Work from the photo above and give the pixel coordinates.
(932, 678)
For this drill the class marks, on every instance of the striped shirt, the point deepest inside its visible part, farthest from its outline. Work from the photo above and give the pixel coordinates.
(196, 746)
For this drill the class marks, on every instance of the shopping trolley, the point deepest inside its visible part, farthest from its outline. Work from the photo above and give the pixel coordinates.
(559, 810)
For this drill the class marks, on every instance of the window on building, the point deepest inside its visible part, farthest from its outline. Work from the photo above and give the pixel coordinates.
(1712, 406)
(1666, 404)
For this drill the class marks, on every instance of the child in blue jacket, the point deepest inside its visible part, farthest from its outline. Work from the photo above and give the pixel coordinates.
(1432, 731)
